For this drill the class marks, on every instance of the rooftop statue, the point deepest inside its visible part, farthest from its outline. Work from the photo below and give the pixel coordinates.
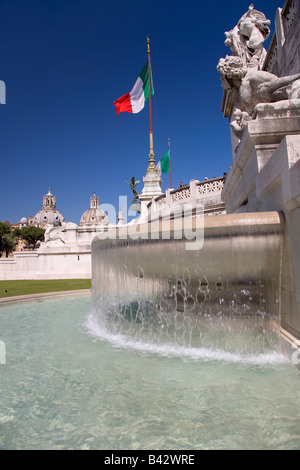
(136, 205)
(133, 183)
(241, 73)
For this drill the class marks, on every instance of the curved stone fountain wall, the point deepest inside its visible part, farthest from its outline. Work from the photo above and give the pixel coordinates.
(236, 270)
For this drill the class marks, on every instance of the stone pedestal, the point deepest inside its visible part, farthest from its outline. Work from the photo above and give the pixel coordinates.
(259, 178)
(152, 189)
(265, 176)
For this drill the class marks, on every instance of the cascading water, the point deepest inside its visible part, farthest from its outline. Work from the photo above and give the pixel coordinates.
(220, 302)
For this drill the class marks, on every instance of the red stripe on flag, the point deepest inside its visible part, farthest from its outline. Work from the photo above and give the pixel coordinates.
(123, 104)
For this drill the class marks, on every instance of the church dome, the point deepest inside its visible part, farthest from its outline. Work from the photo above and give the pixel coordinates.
(44, 217)
(48, 214)
(94, 215)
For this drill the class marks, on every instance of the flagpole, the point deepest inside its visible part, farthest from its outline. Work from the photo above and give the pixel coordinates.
(152, 167)
(150, 106)
(170, 162)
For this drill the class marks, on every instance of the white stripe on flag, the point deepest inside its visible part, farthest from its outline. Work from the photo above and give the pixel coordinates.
(137, 97)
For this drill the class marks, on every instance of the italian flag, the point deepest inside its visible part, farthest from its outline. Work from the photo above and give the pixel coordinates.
(163, 165)
(134, 101)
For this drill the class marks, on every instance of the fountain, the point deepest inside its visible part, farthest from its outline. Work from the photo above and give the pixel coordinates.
(158, 290)
(254, 247)
(179, 347)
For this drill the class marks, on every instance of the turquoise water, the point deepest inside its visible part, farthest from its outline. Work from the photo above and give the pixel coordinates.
(71, 383)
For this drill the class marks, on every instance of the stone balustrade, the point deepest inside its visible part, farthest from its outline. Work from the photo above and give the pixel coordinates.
(207, 192)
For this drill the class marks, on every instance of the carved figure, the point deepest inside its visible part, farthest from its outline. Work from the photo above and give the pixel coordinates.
(247, 38)
(293, 90)
(241, 73)
(54, 235)
(241, 120)
(249, 87)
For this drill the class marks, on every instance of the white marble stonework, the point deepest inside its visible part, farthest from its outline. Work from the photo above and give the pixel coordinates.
(265, 171)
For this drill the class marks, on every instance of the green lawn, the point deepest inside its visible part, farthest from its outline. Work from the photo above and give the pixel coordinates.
(12, 288)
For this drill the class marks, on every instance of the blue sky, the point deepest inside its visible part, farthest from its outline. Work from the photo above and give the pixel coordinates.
(64, 62)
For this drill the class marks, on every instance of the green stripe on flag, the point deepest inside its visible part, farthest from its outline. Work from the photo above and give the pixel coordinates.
(165, 164)
(144, 76)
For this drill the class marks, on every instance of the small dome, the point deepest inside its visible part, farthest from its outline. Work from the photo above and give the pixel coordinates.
(23, 220)
(48, 214)
(94, 216)
(44, 217)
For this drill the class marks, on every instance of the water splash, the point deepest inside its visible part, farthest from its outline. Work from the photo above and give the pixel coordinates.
(128, 339)
(217, 304)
